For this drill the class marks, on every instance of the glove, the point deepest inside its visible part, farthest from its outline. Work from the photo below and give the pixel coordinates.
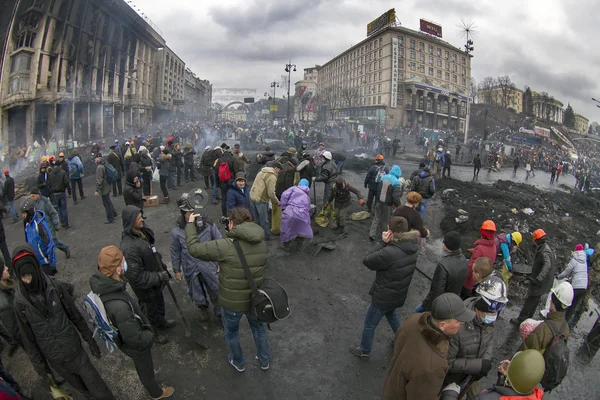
(81, 175)
(361, 202)
(94, 349)
(163, 276)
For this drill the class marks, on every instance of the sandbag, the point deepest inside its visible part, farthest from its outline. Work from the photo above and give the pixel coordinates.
(325, 216)
(360, 216)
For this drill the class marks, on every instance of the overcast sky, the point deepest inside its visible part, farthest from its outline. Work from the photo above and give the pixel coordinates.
(549, 45)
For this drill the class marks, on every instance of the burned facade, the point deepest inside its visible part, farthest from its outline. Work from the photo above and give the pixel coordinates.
(197, 95)
(78, 70)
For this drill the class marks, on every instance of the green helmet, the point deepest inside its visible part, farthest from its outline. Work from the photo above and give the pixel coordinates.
(526, 370)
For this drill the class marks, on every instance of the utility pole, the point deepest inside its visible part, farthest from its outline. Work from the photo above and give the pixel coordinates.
(288, 69)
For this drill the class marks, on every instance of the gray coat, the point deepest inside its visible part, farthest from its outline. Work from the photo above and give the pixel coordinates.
(473, 343)
(544, 269)
(102, 185)
(192, 267)
(577, 268)
(46, 206)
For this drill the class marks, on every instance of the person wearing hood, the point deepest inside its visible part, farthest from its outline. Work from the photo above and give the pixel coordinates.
(578, 272)
(205, 166)
(541, 278)
(341, 193)
(145, 168)
(263, 158)
(8, 329)
(43, 204)
(450, 272)
(64, 164)
(42, 180)
(484, 247)
(285, 180)
(116, 160)
(234, 291)
(76, 173)
(59, 181)
(39, 236)
(103, 189)
(239, 193)
(328, 175)
(227, 160)
(263, 191)
(146, 277)
(8, 192)
(424, 184)
(306, 169)
(394, 259)
(295, 218)
(164, 166)
(188, 163)
(372, 179)
(471, 350)
(50, 324)
(201, 276)
(136, 336)
(388, 195)
(132, 193)
(476, 166)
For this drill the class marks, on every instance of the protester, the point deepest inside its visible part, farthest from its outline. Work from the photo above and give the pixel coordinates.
(39, 236)
(201, 277)
(145, 169)
(234, 290)
(394, 259)
(484, 247)
(52, 337)
(507, 244)
(188, 163)
(295, 219)
(372, 179)
(263, 190)
(419, 362)
(43, 204)
(328, 175)
(541, 278)
(164, 167)
(3, 245)
(578, 272)
(226, 171)
(132, 193)
(409, 212)
(8, 329)
(206, 165)
(424, 184)
(116, 160)
(306, 169)
(59, 182)
(476, 166)
(341, 197)
(450, 272)
(76, 172)
(42, 180)
(240, 158)
(239, 194)
(447, 164)
(135, 333)
(103, 189)
(8, 192)
(388, 195)
(146, 277)
(177, 162)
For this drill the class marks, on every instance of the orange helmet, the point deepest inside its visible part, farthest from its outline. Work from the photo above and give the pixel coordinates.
(44, 159)
(488, 225)
(538, 234)
(131, 143)
(52, 158)
(61, 154)
(379, 157)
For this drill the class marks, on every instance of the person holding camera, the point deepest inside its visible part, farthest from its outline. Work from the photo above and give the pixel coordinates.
(234, 289)
(146, 277)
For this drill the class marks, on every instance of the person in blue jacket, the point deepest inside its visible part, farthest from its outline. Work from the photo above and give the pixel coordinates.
(239, 193)
(506, 243)
(39, 236)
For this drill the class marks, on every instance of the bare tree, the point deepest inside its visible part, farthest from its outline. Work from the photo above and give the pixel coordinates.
(486, 88)
(506, 86)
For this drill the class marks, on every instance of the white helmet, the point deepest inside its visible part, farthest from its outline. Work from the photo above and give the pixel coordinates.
(564, 293)
(327, 155)
(492, 289)
(440, 149)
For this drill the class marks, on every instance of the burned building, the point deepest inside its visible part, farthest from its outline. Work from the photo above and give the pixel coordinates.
(77, 70)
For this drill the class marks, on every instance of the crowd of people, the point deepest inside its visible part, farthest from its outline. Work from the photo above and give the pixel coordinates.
(442, 350)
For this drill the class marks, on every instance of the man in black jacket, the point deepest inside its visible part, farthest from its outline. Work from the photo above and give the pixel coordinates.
(116, 160)
(48, 322)
(450, 273)
(59, 182)
(146, 276)
(8, 328)
(394, 259)
(145, 169)
(188, 163)
(132, 194)
(476, 166)
(372, 180)
(8, 192)
(135, 332)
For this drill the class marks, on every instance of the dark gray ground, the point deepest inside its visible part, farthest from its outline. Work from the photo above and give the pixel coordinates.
(309, 351)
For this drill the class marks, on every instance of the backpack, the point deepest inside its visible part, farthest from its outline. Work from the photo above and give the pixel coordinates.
(556, 358)
(269, 302)
(438, 157)
(224, 172)
(102, 326)
(379, 173)
(112, 176)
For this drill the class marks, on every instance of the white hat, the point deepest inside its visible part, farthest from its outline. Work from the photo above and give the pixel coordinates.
(208, 147)
(142, 148)
(162, 147)
(327, 155)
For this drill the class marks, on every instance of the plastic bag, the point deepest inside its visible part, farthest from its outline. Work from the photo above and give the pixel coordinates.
(506, 274)
(156, 175)
(325, 216)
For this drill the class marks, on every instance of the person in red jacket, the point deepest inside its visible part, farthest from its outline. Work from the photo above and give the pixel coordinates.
(484, 247)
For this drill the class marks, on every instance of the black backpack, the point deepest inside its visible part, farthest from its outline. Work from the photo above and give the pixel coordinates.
(269, 302)
(556, 358)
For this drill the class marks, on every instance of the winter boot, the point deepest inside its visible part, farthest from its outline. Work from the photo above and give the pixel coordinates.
(167, 392)
(166, 200)
(337, 228)
(203, 313)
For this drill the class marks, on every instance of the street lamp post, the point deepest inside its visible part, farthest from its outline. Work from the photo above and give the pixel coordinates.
(274, 85)
(288, 69)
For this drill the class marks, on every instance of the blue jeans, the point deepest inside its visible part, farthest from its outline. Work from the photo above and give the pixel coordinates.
(340, 165)
(424, 203)
(231, 326)
(419, 309)
(261, 211)
(215, 184)
(61, 206)
(59, 245)
(372, 318)
(171, 180)
(13, 212)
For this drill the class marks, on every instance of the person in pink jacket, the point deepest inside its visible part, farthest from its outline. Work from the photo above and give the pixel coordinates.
(484, 247)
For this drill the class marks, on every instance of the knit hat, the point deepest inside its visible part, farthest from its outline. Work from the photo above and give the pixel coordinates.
(579, 247)
(291, 150)
(109, 260)
(452, 240)
(35, 190)
(5, 172)
(303, 182)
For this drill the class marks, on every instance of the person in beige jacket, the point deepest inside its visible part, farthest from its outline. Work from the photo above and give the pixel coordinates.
(263, 190)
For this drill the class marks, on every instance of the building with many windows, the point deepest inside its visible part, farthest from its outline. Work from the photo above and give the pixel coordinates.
(397, 77)
(508, 97)
(197, 95)
(581, 123)
(170, 76)
(547, 108)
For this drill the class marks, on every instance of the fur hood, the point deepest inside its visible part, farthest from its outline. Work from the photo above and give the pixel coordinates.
(406, 236)
(435, 338)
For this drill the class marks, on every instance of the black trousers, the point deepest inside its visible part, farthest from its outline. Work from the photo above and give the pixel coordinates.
(529, 307)
(188, 170)
(476, 171)
(117, 185)
(74, 184)
(109, 207)
(163, 185)
(179, 175)
(147, 184)
(8, 378)
(81, 374)
(444, 171)
(6, 256)
(370, 198)
(577, 299)
(224, 188)
(145, 370)
(154, 308)
(207, 182)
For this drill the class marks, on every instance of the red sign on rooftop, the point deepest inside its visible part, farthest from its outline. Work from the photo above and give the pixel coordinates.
(431, 28)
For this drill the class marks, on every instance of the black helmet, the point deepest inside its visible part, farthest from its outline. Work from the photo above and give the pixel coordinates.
(183, 203)
(28, 205)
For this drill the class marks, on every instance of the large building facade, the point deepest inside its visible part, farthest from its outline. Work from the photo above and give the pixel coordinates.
(581, 123)
(76, 70)
(547, 108)
(398, 77)
(197, 96)
(509, 97)
(170, 75)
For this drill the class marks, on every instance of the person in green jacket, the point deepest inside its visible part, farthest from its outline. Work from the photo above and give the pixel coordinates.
(136, 335)
(234, 289)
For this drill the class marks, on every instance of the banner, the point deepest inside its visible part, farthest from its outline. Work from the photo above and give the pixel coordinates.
(394, 89)
(541, 131)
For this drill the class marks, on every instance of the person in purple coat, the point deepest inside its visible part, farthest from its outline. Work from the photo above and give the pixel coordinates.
(295, 218)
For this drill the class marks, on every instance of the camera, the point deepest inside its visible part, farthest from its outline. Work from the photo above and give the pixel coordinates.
(225, 221)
